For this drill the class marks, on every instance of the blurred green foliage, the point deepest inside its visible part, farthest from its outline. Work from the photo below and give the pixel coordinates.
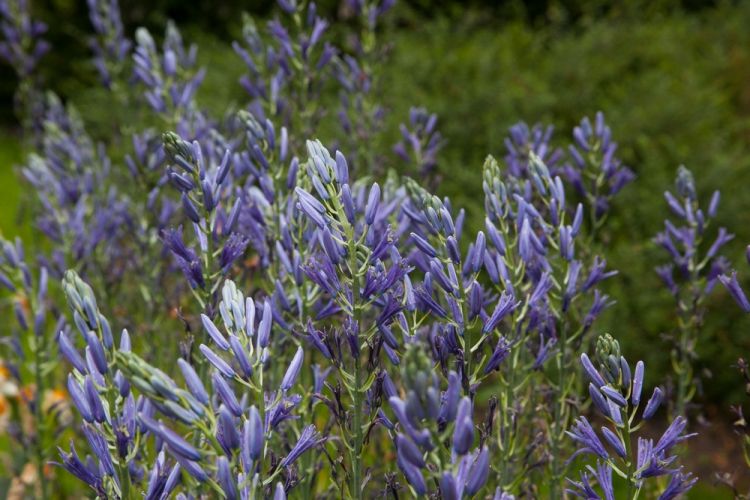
(672, 77)
(10, 194)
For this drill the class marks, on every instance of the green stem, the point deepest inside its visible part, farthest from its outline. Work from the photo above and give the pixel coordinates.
(468, 340)
(559, 408)
(688, 330)
(507, 437)
(631, 462)
(683, 379)
(125, 479)
(208, 262)
(262, 413)
(358, 439)
(38, 413)
(356, 458)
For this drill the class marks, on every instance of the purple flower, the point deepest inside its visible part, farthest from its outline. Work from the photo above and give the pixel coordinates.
(449, 403)
(95, 402)
(233, 249)
(87, 473)
(599, 402)
(98, 445)
(307, 440)
(478, 473)
(672, 436)
(193, 382)
(413, 475)
(502, 350)
(635, 396)
(70, 352)
(463, 433)
(214, 333)
(448, 487)
(226, 394)
(592, 372)
(217, 362)
(505, 305)
(226, 431)
(253, 436)
(604, 477)
(225, 478)
(79, 399)
(278, 492)
(290, 377)
(585, 435)
(316, 338)
(311, 207)
(240, 355)
(734, 288)
(177, 445)
(423, 245)
(614, 396)
(653, 403)
(408, 451)
(264, 328)
(478, 255)
(191, 467)
(614, 441)
(97, 352)
(373, 202)
(678, 484)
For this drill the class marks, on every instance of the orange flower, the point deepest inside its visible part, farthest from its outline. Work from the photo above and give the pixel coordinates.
(8, 386)
(56, 401)
(4, 414)
(28, 393)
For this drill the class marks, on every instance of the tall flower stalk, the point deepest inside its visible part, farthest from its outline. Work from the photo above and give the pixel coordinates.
(691, 275)
(29, 360)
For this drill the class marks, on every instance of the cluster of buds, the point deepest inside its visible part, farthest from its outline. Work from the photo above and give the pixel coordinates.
(423, 440)
(616, 393)
(594, 169)
(200, 181)
(72, 180)
(23, 46)
(524, 142)
(228, 447)
(169, 77)
(110, 46)
(286, 71)
(420, 142)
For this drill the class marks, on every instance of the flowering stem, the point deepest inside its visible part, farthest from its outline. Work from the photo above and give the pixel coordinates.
(38, 346)
(208, 262)
(688, 322)
(559, 409)
(38, 413)
(125, 478)
(468, 342)
(505, 429)
(262, 413)
(357, 461)
(683, 375)
(357, 396)
(631, 462)
(122, 464)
